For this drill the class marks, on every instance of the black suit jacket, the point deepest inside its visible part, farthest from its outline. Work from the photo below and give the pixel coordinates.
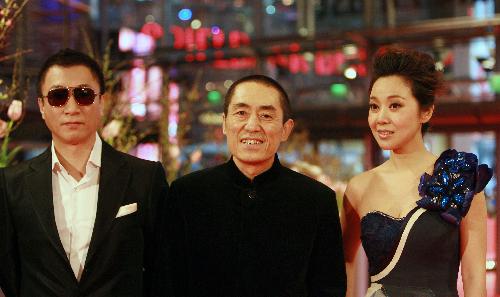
(120, 257)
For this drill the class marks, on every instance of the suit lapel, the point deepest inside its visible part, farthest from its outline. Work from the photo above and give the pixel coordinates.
(39, 184)
(114, 176)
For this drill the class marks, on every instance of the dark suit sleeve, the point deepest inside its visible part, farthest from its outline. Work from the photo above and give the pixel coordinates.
(326, 276)
(8, 253)
(171, 258)
(153, 216)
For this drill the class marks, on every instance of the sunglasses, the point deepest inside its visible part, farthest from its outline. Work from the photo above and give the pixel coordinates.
(59, 96)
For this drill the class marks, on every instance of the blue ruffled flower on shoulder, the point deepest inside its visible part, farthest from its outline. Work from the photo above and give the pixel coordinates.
(456, 178)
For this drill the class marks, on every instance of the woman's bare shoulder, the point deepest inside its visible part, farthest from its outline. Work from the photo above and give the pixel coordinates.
(359, 183)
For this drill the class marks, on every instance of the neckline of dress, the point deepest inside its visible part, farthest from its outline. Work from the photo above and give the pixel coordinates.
(394, 218)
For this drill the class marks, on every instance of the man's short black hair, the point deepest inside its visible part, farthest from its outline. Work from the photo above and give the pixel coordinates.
(266, 81)
(67, 58)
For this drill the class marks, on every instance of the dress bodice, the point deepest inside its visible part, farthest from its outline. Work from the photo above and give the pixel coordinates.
(431, 255)
(419, 254)
(380, 235)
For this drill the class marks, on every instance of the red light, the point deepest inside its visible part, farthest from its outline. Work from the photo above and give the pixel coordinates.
(201, 38)
(218, 39)
(189, 39)
(235, 63)
(361, 69)
(219, 54)
(152, 29)
(201, 56)
(276, 49)
(362, 55)
(244, 38)
(189, 58)
(294, 47)
(298, 64)
(178, 37)
(234, 39)
(324, 64)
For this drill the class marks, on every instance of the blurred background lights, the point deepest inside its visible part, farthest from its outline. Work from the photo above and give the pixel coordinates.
(350, 50)
(303, 31)
(173, 91)
(136, 90)
(210, 86)
(215, 30)
(228, 83)
(287, 2)
(155, 83)
(138, 109)
(494, 81)
(172, 129)
(214, 96)
(270, 9)
(309, 57)
(185, 14)
(350, 73)
(490, 265)
(338, 90)
(126, 39)
(196, 24)
(439, 66)
(148, 151)
(144, 44)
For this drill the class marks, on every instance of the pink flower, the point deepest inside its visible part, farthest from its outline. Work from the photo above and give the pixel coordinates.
(15, 110)
(112, 129)
(3, 128)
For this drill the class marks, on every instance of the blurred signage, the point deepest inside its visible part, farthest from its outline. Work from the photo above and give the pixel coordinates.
(201, 39)
(324, 63)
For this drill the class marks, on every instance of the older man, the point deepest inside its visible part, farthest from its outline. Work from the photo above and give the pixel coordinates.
(251, 227)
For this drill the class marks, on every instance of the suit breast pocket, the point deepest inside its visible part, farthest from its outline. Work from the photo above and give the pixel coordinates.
(128, 221)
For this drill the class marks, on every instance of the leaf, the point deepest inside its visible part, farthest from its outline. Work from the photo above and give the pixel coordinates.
(12, 154)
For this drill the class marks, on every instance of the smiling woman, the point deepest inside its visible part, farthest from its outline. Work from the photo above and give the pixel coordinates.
(417, 216)
(395, 117)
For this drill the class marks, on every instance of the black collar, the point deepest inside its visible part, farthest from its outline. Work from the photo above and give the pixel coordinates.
(242, 180)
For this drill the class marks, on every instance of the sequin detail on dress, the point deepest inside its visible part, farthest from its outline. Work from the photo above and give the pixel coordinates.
(456, 178)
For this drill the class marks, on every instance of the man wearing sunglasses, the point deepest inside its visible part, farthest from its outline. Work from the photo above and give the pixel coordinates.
(81, 218)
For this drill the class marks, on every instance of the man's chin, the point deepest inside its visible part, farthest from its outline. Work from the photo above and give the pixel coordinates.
(73, 139)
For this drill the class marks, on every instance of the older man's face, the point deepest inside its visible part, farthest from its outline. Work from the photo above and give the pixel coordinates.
(254, 125)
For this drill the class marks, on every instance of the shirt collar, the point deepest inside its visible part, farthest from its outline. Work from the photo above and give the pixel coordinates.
(95, 154)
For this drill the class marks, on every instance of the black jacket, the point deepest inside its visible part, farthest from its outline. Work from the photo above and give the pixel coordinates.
(120, 256)
(229, 237)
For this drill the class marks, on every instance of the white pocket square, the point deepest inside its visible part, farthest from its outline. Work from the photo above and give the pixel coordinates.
(127, 209)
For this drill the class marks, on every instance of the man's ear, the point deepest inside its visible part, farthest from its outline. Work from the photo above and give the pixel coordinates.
(102, 98)
(41, 107)
(223, 124)
(287, 129)
(426, 115)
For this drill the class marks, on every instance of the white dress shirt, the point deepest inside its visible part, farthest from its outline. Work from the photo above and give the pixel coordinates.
(75, 206)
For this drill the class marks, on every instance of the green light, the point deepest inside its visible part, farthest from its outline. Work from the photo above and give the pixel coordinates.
(338, 90)
(214, 97)
(495, 82)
